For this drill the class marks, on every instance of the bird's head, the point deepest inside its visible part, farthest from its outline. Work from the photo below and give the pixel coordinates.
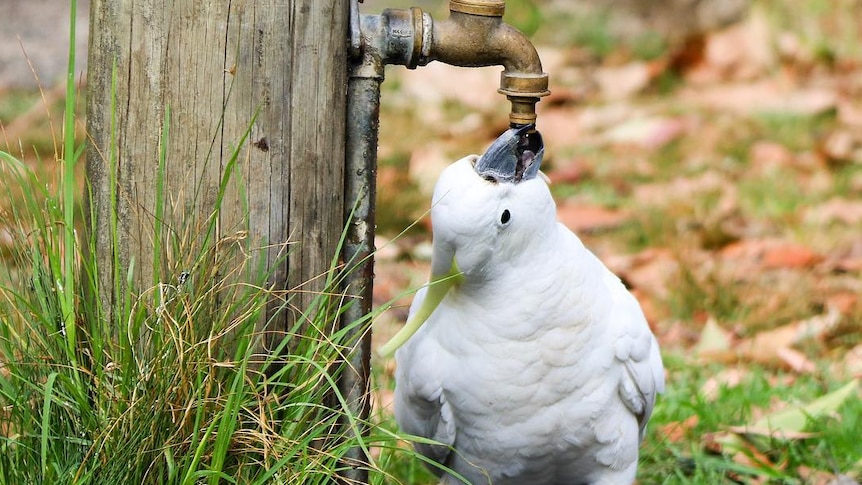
(485, 212)
(486, 209)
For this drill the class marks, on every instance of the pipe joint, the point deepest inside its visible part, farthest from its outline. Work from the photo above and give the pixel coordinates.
(487, 8)
(523, 90)
(396, 36)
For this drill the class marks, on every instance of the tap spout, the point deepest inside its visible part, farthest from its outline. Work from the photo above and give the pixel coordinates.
(474, 35)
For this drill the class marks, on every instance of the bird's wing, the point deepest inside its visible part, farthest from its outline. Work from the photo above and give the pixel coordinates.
(637, 349)
(421, 408)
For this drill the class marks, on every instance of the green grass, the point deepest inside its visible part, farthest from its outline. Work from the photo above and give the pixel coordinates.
(833, 445)
(170, 386)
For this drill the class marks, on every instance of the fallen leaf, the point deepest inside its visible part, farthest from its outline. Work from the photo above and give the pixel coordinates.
(686, 189)
(677, 431)
(767, 156)
(619, 82)
(430, 86)
(653, 310)
(741, 450)
(606, 116)
(819, 477)
(835, 210)
(852, 363)
(794, 420)
(649, 133)
(838, 147)
(741, 51)
(649, 270)
(789, 424)
(726, 378)
(569, 171)
(789, 255)
(560, 127)
(850, 112)
(385, 249)
(775, 346)
(843, 302)
(715, 342)
(427, 162)
(795, 360)
(581, 217)
(762, 97)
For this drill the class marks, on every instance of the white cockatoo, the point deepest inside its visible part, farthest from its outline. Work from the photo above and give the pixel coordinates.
(531, 363)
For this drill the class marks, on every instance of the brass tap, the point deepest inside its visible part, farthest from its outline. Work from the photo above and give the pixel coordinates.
(474, 35)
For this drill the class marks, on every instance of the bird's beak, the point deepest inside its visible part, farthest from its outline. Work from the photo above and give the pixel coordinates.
(444, 275)
(514, 157)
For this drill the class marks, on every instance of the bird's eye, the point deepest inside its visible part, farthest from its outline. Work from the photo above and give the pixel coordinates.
(504, 218)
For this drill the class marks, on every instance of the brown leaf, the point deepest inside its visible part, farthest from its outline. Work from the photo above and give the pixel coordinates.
(650, 133)
(850, 112)
(677, 431)
(741, 450)
(569, 171)
(795, 360)
(727, 378)
(820, 477)
(560, 127)
(789, 255)
(582, 217)
(686, 189)
(836, 209)
(775, 346)
(852, 363)
(653, 310)
(838, 147)
(767, 156)
(427, 162)
(767, 96)
(7, 241)
(619, 82)
(650, 270)
(843, 302)
(741, 51)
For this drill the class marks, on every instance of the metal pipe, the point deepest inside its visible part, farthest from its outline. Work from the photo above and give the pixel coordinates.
(474, 35)
(360, 186)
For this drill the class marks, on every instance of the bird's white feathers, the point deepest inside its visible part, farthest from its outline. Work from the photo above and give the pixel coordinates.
(538, 367)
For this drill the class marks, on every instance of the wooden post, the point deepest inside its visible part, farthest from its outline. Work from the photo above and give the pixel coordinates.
(219, 67)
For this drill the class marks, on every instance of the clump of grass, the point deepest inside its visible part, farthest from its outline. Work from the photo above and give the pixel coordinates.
(702, 419)
(170, 385)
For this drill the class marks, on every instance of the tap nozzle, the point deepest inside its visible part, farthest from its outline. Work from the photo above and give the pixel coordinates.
(475, 35)
(523, 90)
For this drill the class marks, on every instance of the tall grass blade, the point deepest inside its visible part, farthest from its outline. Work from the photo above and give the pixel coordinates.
(46, 420)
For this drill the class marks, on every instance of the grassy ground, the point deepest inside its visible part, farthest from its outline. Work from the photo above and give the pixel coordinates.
(725, 188)
(724, 185)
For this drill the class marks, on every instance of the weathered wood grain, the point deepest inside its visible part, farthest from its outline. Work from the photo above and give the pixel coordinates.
(276, 68)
